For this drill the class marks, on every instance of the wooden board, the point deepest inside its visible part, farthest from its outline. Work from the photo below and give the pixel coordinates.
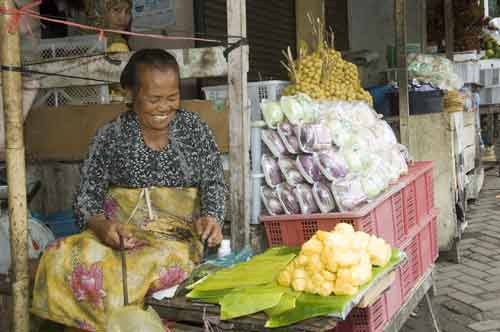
(64, 133)
(196, 313)
(469, 158)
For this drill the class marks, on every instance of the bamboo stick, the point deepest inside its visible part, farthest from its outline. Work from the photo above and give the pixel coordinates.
(16, 172)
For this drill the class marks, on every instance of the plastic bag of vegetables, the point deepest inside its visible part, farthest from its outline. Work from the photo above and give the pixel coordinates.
(323, 197)
(287, 133)
(314, 137)
(288, 199)
(299, 109)
(331, 164)
(271, 111)
(271, 171)
(349, 193)
(273, 142)
(304, 194)
(271, 201)
(308, 168)
(289, 169)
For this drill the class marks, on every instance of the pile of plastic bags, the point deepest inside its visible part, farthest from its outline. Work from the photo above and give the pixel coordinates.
(435, 70)
(326, 156)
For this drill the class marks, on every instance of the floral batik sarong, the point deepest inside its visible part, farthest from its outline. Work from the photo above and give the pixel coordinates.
(79, 279)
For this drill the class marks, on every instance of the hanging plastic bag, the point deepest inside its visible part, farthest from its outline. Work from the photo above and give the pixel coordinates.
(308, 168)
(289, 169)
(271, 201)
(271, 111)
(304, 194)
(349, 193)
(271, 171)
(287, 135)
(288, 199)
(331, 164)
(273, 142)
(39, 236)
(323, 197)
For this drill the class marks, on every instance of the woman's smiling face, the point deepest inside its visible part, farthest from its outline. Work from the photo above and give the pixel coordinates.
(157, 97)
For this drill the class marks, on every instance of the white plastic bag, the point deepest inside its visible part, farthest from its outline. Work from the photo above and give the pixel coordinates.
(39, 236)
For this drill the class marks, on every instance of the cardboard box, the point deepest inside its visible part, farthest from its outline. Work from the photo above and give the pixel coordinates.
(64, 133)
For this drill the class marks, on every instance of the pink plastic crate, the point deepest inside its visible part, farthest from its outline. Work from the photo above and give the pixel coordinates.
(392, 216)
(370, 319)
(421, 251)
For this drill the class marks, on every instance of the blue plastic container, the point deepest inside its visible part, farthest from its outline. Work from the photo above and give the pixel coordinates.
(381, 99)
(62, 223)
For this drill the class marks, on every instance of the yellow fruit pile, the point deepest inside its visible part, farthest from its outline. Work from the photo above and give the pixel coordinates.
(324, 75)
(336, 262)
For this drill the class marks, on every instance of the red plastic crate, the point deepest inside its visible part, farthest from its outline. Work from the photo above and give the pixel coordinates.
(392, 216)
(421, 251)
(370, 319)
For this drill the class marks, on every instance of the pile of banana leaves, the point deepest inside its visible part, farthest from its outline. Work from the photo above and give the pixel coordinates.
(251, 287)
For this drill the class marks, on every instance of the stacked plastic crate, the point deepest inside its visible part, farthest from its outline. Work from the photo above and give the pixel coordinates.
(69, 47)
(489, 78)
(404, 216)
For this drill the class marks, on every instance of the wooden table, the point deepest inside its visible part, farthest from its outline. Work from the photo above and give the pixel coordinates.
(196, 313)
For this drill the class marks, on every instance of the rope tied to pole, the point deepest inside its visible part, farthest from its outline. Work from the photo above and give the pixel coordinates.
(16, 14)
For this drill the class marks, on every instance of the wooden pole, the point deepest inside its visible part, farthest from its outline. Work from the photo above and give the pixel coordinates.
(402, 64)
(239, 127)
(449, 26)
(423, 25)
(16, 171)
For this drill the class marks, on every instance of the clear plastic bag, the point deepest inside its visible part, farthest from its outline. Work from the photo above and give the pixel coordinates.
(287, 134)
(349, 193)
(308, 168)
(314, 137)
(273, 142)
(271, 201)
(288, 199)
(304, 194)
(271, 111)
(332, 164)
(271, 171)
(289, 169)
(323, 197)
(383, 134)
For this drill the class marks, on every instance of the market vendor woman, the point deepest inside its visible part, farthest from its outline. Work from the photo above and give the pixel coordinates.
(154, 177)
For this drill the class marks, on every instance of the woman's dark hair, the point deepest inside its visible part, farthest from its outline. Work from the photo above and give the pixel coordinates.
(153, 57)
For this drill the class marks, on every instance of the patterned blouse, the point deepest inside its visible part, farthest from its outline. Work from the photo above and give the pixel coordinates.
(118, 156)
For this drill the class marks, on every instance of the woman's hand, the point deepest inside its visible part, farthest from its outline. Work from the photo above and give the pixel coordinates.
(109, 232)
(209, 230)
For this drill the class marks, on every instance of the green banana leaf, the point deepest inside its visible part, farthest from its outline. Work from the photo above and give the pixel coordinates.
(213, 296)
(251, 300)
(261, 269)
(310, 305)
(286, 303)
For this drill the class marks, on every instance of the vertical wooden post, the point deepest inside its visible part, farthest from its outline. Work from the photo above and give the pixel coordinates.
(423, 25)
(239, 127)
(16, 171)
(402, 72)
(449, 27)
